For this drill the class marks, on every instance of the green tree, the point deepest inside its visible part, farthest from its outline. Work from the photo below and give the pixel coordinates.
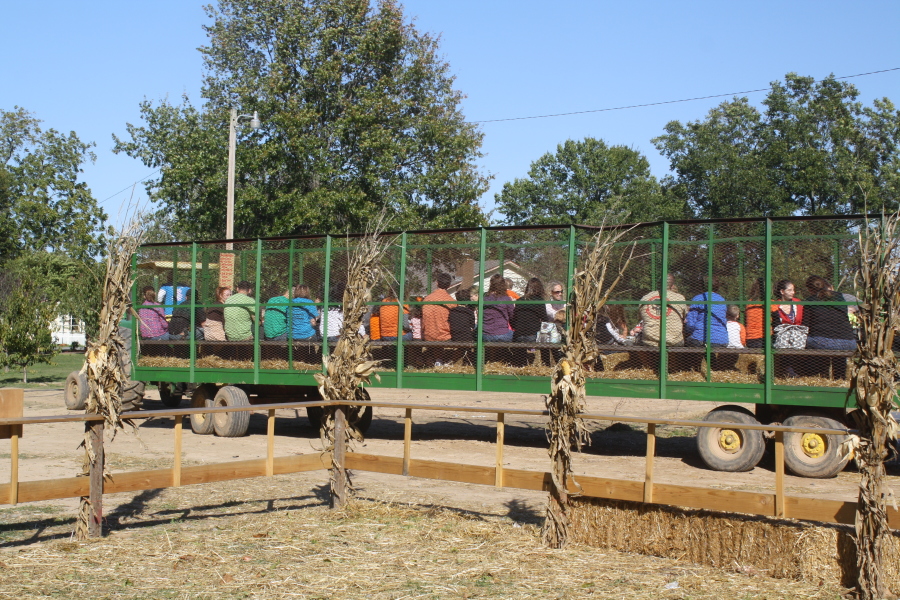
(25, 316)
(583, 182)
(358, 112)
(813, 149)
(43, 206)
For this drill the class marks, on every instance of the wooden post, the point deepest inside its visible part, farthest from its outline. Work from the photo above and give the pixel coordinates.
(339, 454)
(12, 401)
(95, 522)
(407, 440)
(651, 451)
(270, 450)
(498, 472)
(779, 474)
(176, 464)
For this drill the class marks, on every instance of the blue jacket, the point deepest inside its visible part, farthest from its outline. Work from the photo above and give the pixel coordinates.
(695, 323)
(301, 328)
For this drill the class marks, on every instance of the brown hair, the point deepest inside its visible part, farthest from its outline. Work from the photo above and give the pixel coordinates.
(301, 290)
(781, 286)
(219, 291)
(732, 313)
(818, 287)
(497, 285)
(534, 290)
(757, 289)
(616, 315)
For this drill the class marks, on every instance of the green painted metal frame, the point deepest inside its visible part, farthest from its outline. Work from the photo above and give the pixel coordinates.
(766, 392)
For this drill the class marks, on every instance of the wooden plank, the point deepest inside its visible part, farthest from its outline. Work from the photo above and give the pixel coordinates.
(14, 468)
(779, 474)
(270, 444)
(612, 489)
(134, 481)
(526, 480)
(49, 489)
(827, 511)
(648, 471)
(375, 464)
(752, 503)
(12, 401)
(498, 468)
(176, 463)
(407, 439)
(445, 471)
(301, 463)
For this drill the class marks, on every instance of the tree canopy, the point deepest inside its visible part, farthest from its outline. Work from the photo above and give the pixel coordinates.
(583, 182)
(43, 206)
(813, 149)
(358, 114)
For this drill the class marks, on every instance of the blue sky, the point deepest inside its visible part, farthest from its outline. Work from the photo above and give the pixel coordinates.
(86, 66)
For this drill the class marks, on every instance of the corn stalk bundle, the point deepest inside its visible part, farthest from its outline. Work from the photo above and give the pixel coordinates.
(350, 364)
(103, 364)
(590, 291)
(873, 376)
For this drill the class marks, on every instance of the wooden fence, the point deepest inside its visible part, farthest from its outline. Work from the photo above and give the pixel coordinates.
(775, 504)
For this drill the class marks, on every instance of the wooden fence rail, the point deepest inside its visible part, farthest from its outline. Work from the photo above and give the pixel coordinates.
(776, 504)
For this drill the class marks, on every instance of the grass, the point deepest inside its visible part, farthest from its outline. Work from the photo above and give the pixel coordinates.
(44, 375)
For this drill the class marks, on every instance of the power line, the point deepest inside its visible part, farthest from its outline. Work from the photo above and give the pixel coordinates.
(596, 110)
(129, 186)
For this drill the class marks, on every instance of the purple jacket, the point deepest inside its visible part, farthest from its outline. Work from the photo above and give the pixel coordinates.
(152, 320)
(497, 316)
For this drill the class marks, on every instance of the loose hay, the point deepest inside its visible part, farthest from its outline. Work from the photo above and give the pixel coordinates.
(253, 540)
(817, 554)
(217, 362)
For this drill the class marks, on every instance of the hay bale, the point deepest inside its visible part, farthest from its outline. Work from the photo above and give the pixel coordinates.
(777, 548)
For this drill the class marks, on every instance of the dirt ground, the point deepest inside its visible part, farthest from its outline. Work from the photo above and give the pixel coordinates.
(406, 538)
(616, 450)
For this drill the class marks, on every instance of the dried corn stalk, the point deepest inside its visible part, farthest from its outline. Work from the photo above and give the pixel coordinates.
(590, 291)
(350, 364)
(105, 361)
(874, 377)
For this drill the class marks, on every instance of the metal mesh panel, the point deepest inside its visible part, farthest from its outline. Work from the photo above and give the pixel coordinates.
(715, 279)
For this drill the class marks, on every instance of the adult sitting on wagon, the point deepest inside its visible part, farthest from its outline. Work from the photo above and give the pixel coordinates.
(275, 317)
(695, 323)
(435, 317)
(153, 324)
(526, 321)
(829, 329)
(239, 312)
(335, 314)
(651, 316)
(180, 323)
(215, 317)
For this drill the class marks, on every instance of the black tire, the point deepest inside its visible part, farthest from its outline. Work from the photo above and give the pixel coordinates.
(76, 392)
(231, 424)
(167, 395)
(314, 414)
(811, 454)
(727, 449)
(133, 395)
(202, 423)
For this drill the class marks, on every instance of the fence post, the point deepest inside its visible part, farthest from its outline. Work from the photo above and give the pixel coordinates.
(651, 452)
(407, 439)
(339, 460)
(779, 474)
(498, 472)
(176, 464)
(270, 444)
(11, 403)
(95, 522)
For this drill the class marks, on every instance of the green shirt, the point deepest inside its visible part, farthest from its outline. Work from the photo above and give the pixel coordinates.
(239, 312)
(275, 323)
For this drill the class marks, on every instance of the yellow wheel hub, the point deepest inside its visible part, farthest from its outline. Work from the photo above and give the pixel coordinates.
(729, 440)
(813, 445)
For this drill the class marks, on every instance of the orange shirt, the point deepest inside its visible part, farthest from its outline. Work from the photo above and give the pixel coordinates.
(389, 316)
(512, 294)
(435, 317)
(754, 319)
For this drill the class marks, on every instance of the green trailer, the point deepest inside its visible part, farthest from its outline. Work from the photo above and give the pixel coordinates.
(711, 265)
